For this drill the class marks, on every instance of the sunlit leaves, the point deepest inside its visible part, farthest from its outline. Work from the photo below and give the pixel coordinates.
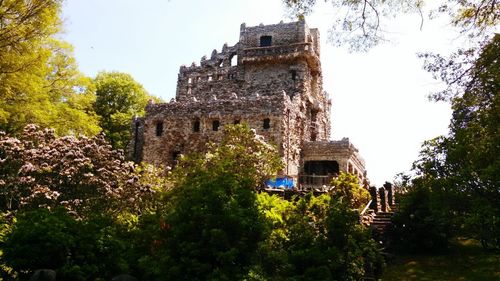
(118, 99)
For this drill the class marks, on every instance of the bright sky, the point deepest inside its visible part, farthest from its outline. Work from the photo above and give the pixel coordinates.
(379, 98)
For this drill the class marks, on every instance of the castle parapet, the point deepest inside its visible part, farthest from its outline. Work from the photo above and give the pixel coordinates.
(273, 53)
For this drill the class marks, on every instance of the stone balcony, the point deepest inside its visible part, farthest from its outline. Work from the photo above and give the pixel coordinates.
(284, 52)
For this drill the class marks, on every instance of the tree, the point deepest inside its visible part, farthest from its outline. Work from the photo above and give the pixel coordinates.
(39, 79)
(76, 249)
(359, 24)
(24, 28)
(347, 186)
(119, 99)
(315, 238)
(211, 226)
(239, 152)
(467, 163)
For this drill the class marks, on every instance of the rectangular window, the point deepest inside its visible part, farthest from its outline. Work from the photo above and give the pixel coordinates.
(196, 126)
(215, 125)
(266, 41)
(159, 129)
(266, 124)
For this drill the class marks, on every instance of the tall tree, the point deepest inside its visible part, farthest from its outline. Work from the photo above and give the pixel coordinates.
(39, 79)
(119, 99)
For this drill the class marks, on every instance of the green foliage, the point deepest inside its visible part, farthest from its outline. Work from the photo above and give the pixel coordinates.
(25, 27)
(240, 152)
(39, 79)
(420, 225)
(463, 168)
(465, 261)
(347, 186)
(46, 235)
(119, 99)
(76, 249)
(212, 232)
(359, 23)
(210, 227)
(315, 238)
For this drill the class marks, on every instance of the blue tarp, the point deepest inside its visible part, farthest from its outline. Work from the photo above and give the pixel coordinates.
(280, 183)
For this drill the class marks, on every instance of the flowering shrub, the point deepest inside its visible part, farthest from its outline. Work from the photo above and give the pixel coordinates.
(82, 174)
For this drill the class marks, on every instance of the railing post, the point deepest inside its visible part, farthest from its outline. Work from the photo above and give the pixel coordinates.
(390, 193)
(375, 201)
(383, 199)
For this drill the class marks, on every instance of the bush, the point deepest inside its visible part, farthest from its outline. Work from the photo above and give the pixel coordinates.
(419, 226)
(316, 238)
(76, 249)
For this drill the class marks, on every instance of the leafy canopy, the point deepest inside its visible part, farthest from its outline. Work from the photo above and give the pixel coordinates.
(39, 79)
(211, 225)
(360, 24)
(118, 99)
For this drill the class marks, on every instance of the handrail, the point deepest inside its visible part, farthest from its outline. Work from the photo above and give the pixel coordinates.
(366, 207)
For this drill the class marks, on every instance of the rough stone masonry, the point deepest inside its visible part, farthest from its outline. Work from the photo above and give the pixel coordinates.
(272, 80)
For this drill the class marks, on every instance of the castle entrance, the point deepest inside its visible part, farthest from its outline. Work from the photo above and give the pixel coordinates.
(319, 173)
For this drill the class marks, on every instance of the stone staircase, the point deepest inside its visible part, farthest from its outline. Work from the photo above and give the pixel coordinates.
(380, 225)
(381, 221)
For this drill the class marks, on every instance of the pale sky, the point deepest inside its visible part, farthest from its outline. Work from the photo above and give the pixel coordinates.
(379, 98)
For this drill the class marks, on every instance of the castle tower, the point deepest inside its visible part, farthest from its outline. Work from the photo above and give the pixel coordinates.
(271, 79)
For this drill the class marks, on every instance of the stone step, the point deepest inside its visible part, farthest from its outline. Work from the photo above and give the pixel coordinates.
(381, 223)
(385, 214)
(383, 218)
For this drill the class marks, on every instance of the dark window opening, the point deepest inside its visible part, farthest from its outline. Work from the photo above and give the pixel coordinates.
(175, 155)
(294, 75)
(266, 124)
(159, 129)
(321, 168)
(266, 41)
(196, 126)
(215, 125)
(313, 135)
(236, 122)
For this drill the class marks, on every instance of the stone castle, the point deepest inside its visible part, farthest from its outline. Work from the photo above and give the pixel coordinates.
(272, 80)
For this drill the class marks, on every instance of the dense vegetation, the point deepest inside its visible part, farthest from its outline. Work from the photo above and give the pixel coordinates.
(70, 201)
(75, 206)
(40, 82)
(453, 189)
